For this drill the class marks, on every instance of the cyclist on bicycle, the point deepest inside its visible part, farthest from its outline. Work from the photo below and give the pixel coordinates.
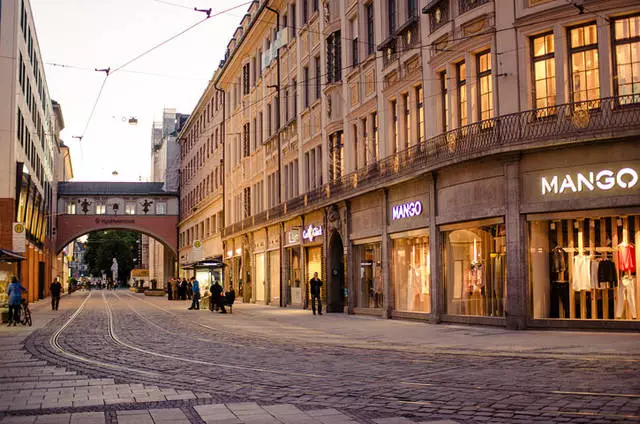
(14, 291)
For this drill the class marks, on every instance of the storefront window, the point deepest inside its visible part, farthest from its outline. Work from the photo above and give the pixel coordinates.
(369, 280)
(584, 268)
(475, 267)
(411, 274)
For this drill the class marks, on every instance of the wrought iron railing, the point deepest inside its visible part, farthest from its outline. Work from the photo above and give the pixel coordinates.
(466, 5)
(560, 124)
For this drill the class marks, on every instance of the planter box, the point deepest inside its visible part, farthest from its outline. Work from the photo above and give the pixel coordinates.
(149, 292)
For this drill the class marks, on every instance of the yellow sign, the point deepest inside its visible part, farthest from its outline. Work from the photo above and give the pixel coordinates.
(197, 244)
(18, 228)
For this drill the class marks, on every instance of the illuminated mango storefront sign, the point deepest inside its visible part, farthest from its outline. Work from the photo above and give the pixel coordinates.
(602, 180)
(406, 210)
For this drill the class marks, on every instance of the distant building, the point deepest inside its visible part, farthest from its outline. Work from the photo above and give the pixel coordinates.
(165, 168)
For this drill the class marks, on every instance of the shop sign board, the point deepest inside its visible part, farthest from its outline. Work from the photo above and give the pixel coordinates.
(406, 210)
(19, 238)
(311, 232)
(591, 180)
(294, 236)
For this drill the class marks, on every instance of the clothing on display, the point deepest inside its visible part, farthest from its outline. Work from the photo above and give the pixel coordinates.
(559, 263)
(626, 293)
(581, 273)
(626, 258)
(607, 274)
(475, 282)
(559, 296)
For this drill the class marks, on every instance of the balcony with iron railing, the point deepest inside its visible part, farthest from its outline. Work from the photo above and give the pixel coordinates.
(571, 123)
(466, 5)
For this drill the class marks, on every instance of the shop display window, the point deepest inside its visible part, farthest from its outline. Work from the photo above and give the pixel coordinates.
(475, 269)
(411, 274)
(585, 268)
(5, 279)
(369, 292)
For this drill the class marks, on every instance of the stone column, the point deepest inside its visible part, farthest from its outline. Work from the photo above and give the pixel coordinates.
(387, 304)
(350, 275)
(435, 254)
(516, 311)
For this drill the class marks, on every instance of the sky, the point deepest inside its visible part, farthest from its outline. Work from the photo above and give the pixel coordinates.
(86, 34)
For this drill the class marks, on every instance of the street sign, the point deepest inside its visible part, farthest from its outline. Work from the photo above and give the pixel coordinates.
(19, 238)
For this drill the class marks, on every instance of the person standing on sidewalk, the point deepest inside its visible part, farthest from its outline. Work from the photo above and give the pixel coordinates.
(314, 288)
(55, 288)
(216, 296)
(195, 288)
(14, 291)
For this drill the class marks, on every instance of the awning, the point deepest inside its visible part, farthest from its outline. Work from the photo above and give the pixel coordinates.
(9, 256)
(210, 263)
(215, 262)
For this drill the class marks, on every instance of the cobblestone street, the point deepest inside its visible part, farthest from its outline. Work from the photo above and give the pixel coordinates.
(116, 357)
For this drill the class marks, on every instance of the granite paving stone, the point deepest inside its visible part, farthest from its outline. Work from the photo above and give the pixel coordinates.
(272, 365)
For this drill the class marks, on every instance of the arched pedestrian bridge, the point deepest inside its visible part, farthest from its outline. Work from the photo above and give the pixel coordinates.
(84, 207)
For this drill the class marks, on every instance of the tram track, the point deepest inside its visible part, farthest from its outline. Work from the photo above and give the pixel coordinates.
(369, 399)
(411, 383)
(54, 342)
(423, 350)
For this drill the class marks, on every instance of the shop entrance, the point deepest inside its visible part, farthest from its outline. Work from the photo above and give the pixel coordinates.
(335, 280)
(41, 272)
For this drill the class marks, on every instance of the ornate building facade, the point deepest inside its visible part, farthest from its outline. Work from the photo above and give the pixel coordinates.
(448, 160)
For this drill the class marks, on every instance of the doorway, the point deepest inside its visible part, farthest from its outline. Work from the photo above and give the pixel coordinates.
(335, 287)
(41, 271)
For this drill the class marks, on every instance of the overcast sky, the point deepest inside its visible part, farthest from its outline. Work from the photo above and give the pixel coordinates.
(108, 33)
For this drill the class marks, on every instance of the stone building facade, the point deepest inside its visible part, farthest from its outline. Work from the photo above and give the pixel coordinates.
(449, 160)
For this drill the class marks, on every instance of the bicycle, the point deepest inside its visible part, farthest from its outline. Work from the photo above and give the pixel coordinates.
(25, 313)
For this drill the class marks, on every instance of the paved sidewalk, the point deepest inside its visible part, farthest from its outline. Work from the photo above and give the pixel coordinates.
(35, 392)
(368, 332)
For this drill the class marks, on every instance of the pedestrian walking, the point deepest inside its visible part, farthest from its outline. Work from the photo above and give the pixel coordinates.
(195, 288)
(174, 288)
(230, 297)
(182, 285)
(314, 288)
(169, 290)
(14, 291)
(190, 288)
(55, 288)
(216, 296)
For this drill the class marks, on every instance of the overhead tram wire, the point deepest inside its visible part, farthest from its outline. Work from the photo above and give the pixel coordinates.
(109, 71)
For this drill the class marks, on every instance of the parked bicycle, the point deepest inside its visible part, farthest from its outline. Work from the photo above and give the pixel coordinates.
(25, 313)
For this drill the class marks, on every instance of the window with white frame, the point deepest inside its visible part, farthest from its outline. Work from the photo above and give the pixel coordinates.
(161, 208)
